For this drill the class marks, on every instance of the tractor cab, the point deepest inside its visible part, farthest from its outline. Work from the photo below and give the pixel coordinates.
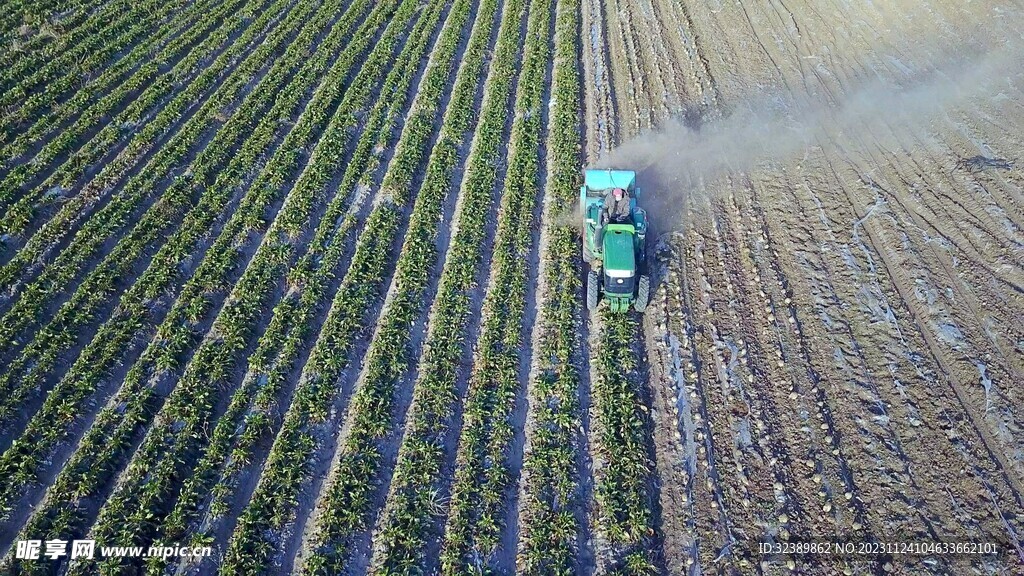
(614, 251)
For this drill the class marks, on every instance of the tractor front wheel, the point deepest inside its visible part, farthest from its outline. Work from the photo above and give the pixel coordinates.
(643, 294)
(592, 290)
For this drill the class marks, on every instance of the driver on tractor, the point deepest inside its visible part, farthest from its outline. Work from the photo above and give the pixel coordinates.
(616, 206)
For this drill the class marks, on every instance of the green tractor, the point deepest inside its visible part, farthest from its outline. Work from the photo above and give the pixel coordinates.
(614, 250)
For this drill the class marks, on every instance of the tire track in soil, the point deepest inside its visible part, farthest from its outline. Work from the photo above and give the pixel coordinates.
(946, 203)
(780, 486)
(896, 275)
(943, 201)
(664, 47)
(942, 207)
(642, 32)
(749, 307)
(689, 47)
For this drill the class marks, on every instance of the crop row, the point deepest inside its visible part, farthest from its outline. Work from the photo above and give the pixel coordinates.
(165, 128)
(137, 403)
(27, 13)
(177, 439)
(622, 470)
(97, 288)
(483, 467)
(163, 143)
(345, 505)
(548, 525)
(131, 317)
(289, 459)
(131, 195)
(44, 117)
(347, 496)
(272, 505)
(292, 322)
(145, 88)
(46, 31)
(16, 68)
(132, 22)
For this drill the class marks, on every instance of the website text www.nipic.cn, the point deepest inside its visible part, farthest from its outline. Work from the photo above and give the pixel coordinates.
(86, 549)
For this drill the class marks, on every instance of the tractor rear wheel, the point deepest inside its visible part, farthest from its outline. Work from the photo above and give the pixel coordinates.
(592, 290)
(643, 294)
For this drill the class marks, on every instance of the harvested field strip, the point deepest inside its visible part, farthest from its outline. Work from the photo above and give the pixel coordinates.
(349, 491)
(800, 503)
(918, 412)
(602, 120)
(914, 414)
(812, 462)
(623, 58)
(696, 520)
(552, 520)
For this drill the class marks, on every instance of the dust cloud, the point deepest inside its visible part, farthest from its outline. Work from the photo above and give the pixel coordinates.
(680, 159)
